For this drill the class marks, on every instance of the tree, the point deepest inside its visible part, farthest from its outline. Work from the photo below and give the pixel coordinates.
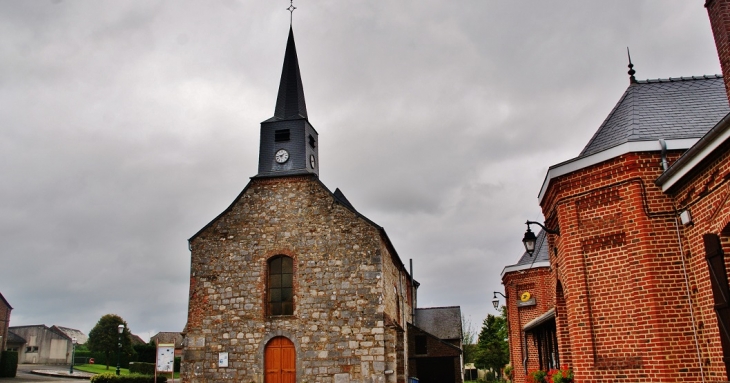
(104, 337)
(467, 340)
(492, 347)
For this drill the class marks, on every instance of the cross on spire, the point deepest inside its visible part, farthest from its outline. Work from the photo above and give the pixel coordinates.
(291, 11)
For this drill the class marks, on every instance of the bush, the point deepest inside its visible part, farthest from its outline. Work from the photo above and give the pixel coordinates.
(131, 378)
(176, 365)
(145, 352)
(142, 368)
(8, 364)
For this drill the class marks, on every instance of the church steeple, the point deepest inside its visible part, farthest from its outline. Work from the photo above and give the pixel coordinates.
(289, 144)
(290, 102)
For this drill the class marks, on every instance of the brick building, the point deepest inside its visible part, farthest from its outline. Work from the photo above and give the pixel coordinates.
(636, 280)
(291, 283)
(5, 310)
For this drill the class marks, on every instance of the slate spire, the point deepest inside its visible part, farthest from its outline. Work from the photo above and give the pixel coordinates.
(290, 101)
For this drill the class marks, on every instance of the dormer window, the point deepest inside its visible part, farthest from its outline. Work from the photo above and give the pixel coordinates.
(281, 135)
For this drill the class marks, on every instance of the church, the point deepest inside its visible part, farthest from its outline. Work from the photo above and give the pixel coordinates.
(292, 284)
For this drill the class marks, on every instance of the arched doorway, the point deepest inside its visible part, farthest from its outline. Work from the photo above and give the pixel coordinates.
(280, 361)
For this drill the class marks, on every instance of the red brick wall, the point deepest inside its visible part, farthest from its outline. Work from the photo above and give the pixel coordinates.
(625, 303)
(706, 195)
(4, 323)
(539, 282)
(719, 12)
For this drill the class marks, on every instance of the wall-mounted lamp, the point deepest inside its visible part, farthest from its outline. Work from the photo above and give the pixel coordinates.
(495, 302)
(529, 239)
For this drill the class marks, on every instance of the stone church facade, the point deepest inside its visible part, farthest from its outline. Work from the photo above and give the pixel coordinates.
(291, 283)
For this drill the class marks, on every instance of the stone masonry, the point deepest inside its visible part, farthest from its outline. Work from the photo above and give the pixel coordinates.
(352, 294)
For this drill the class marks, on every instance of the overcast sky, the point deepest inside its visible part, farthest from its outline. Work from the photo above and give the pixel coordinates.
(127, 126)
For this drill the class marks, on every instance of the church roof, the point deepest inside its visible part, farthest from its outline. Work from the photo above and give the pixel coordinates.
(674, 108)
(290, 104)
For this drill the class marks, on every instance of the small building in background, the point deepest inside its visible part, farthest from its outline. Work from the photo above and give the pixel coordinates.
(45, 345)
(14, 342)
(169, 337)
(434, 345)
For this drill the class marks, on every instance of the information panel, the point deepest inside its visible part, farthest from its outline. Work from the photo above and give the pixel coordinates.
(165, 357)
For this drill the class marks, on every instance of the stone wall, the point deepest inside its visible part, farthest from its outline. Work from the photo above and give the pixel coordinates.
(344, 277)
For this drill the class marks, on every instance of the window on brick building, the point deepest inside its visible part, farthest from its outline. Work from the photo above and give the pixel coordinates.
(421, 345)
(280, 294)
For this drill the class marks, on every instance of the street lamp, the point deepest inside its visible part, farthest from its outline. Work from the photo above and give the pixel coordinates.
(495, 302)
(120, 328)
(529, 239)
(73, 354)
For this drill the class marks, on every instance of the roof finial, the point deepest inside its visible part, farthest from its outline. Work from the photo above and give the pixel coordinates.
(631, 71)
(291, 11)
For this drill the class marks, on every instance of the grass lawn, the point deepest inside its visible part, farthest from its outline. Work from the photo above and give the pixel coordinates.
(101, 368)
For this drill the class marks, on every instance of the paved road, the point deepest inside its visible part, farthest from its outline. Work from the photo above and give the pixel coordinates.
(24, 375)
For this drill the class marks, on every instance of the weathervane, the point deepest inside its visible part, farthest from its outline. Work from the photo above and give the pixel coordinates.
(631, 71)
(291, 11)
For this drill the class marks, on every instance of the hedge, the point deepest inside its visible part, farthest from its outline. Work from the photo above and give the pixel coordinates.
(8, 364)
(131, 378)
(142, 368)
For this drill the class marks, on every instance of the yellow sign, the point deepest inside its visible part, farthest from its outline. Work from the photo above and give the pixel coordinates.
(525, 296)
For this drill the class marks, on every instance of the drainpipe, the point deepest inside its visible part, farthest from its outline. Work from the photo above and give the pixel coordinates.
(665, 164)
(689, 296)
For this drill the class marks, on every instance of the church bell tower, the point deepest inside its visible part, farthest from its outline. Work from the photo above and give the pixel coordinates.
(289, 144)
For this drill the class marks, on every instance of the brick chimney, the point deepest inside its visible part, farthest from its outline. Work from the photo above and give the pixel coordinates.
(719, 12)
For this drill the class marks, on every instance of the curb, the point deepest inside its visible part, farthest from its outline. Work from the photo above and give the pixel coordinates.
(63, 374)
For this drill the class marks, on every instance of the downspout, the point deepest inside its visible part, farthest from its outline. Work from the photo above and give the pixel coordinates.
(665, 164)
(413, 294)
(689, 296)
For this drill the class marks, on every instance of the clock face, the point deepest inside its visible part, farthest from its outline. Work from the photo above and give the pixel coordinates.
(312, 161)
(281, 156)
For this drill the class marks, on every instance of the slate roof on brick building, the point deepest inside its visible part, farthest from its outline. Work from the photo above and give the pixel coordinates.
(674, 108)
(540, 254)
(442, 322)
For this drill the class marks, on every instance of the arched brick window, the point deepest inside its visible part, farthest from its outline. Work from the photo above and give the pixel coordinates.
(280, 284)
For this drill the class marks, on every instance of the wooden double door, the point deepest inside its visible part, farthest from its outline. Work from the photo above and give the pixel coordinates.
(280, 361)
